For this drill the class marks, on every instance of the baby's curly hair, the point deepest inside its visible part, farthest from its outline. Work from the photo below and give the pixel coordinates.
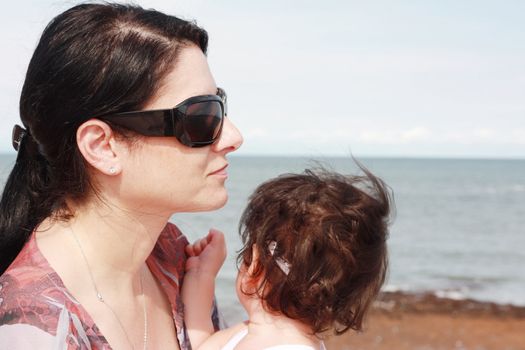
(331, 231)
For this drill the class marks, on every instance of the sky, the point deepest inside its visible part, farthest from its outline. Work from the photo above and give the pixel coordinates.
(433, 78)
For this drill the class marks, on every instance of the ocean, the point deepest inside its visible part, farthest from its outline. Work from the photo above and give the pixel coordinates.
(458, 231)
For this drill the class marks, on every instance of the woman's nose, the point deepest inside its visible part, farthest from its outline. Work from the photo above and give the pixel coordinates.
(230, 139)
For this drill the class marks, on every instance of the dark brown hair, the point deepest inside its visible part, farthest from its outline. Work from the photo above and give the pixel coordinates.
(332, 230)
(93, 59)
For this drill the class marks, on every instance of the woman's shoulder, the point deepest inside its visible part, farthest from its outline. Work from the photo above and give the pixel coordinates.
(28, 282)
(32, 306)
(36, 308)
(31, 289)
(43, 315)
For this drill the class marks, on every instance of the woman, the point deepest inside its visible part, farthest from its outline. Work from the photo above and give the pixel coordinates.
(124, 126)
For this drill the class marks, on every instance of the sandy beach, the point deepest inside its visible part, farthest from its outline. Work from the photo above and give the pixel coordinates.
(400, 321)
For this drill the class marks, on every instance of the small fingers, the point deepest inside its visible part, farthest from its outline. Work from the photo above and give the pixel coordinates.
(199, 246)
(196, 248)
(217, 240)
(189, 250)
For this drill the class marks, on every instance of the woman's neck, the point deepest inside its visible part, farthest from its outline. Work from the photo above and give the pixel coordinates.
(114, 243)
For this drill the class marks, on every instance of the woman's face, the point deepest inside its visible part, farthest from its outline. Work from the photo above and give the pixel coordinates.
(163, 176)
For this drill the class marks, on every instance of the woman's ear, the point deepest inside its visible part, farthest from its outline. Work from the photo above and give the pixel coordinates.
(96, 142)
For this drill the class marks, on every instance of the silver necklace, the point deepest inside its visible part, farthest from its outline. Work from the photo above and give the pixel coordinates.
(103, 301)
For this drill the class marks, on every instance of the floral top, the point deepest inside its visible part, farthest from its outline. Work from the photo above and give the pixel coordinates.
(38, 312)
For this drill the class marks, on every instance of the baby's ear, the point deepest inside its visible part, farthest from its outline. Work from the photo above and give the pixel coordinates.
(255, 260)
(250, 280)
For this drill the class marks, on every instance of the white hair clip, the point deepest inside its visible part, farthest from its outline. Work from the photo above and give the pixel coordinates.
(283, 264)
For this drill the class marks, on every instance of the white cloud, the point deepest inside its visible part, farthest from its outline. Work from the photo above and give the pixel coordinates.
(412, 135)
(255, 132)
(518, 136)
(483, 134)
(416, 134)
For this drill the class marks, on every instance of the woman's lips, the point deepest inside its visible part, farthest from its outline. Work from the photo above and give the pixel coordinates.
(221, 171)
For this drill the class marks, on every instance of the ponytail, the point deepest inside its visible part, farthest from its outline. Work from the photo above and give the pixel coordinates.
(24, 204)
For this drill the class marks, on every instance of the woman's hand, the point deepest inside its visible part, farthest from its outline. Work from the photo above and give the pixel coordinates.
(206, 255)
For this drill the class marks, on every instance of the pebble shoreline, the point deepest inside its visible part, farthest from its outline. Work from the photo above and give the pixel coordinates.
(423, 321)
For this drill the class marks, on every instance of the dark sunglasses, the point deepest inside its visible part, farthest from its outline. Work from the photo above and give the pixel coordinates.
(195, 122)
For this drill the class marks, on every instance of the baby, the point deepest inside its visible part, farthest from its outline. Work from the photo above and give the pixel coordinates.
(314, 257)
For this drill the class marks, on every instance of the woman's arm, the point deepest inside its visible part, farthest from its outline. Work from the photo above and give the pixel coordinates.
(205, 258)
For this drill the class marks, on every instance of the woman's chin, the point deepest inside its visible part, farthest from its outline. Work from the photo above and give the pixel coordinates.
(221, 203)
(210, 203)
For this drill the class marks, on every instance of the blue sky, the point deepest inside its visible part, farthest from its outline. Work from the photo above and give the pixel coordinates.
(376, 78)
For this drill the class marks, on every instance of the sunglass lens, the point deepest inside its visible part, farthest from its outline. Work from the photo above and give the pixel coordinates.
(203, 121)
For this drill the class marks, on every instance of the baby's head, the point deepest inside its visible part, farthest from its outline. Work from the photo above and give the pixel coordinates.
(315, 245)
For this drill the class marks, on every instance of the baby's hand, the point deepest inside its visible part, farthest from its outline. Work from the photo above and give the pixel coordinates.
(207, 254)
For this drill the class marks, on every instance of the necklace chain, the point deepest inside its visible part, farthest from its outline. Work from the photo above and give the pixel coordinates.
(103, 301)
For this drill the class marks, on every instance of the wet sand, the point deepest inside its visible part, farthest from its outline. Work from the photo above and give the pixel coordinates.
(401, 321)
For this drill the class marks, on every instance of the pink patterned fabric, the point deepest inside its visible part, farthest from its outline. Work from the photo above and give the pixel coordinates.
(36, 308)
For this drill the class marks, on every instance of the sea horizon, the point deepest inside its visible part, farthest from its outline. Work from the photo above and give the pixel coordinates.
(357, 156)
